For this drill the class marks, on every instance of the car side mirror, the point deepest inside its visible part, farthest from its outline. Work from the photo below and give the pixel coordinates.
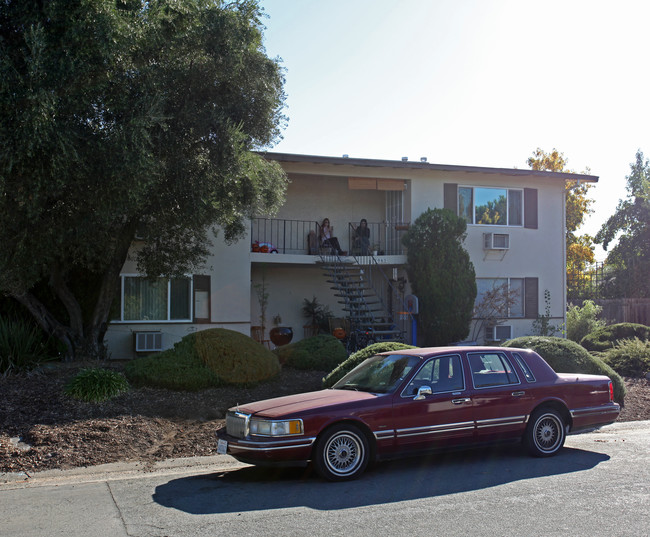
(422, 391)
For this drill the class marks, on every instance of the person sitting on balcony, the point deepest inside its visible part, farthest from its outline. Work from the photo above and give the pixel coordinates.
(362, 237)
(326, 238)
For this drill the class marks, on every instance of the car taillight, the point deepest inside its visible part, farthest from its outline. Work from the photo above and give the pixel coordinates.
(611, 392)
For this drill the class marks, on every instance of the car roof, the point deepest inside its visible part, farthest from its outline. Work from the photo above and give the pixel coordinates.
(427, 352)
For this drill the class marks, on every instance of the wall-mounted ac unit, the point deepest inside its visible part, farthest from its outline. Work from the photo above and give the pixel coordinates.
(148, 341)
(496, 241)
(499, 332)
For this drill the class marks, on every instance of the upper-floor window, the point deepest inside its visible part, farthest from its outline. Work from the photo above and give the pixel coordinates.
(491, 206)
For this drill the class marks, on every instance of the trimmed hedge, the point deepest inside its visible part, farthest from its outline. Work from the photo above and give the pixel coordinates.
(566, 356)
(356, 358)
(606, 338)
(318, 353)
(630, 357)
(204, 359)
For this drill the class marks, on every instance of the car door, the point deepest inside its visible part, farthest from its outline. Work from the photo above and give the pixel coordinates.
(440, 418)
(501, 402)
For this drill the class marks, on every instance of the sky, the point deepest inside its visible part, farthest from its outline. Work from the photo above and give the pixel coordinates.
(468, 82)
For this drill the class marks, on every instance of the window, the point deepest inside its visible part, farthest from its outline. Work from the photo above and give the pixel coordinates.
(491, 369)
(159, 299)
(491, 206)
(499, 297)
(524, 367)
(442, 374)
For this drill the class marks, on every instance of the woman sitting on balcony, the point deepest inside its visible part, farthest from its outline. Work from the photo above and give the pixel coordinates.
(326, 238)
(362, 237)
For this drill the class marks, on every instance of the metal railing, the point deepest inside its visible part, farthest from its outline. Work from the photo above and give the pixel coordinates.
(383, 239)
(282, 236)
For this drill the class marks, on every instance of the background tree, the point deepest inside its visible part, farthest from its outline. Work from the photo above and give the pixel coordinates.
(125, 115)
(579, 248)
(631, 225)
(441, 275)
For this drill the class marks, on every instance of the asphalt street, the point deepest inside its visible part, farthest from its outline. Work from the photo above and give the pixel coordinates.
(598, 485)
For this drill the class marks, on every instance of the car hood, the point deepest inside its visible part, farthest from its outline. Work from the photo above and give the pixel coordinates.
(303, 402)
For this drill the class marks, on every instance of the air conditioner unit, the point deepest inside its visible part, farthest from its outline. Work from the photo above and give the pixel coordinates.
(496, 241)
(148, 341)
(499, 332)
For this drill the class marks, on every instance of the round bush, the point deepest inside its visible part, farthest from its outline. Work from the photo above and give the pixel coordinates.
(235, 358)
(566, 356)
(317, 353)
(356, 358)
(630, 357)
(96, 384)
(606, 338)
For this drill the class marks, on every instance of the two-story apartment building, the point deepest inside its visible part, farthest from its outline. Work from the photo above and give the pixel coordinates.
(515, 237)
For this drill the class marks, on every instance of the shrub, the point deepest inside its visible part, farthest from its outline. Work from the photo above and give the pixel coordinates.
(204, 359)
(178, 369)
(606, 338)
(630, 357)
(95, 385)
(317, 353)
(355, 359)
(235, 358)
(566, 356)
(581, 321)
(22, 345)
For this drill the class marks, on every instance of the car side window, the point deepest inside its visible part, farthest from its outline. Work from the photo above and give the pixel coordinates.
(524, 367)
(491, 369)
(442, 374)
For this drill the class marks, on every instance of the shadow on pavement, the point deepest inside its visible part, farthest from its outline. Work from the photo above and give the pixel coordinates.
(441, 474)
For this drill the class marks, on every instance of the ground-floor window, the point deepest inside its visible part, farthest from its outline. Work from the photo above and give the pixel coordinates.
(158, 299)
(500, 297)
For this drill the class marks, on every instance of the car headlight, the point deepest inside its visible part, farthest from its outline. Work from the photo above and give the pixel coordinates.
(275, 427)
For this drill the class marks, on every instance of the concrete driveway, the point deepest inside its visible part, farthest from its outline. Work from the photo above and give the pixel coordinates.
(598, 485)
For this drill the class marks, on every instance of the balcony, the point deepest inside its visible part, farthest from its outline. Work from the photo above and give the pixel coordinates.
(292, 237)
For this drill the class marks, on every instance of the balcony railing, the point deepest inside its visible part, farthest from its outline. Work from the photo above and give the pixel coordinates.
(292, 237)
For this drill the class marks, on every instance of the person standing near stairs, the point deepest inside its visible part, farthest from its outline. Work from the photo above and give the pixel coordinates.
(326, 238)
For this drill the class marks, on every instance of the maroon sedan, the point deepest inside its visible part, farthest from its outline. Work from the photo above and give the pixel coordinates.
(404, 402)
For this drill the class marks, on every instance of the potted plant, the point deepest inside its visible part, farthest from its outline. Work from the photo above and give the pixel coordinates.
(317, 314)
(374, 248)
(280, 335)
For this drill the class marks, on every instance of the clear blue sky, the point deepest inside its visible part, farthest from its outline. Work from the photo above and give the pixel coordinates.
(469, 82)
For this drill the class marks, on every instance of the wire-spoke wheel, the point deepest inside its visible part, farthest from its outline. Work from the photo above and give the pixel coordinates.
(545, 433)
(342, 452)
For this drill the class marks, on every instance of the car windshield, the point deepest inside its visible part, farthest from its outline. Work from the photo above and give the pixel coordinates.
(379, 374)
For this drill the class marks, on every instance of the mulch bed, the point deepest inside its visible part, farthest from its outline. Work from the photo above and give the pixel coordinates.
(40, 428)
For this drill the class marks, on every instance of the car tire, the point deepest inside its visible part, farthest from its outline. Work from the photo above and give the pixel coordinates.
(342, 453)
(545, 433)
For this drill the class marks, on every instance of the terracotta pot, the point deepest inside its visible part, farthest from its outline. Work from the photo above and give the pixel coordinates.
(281, 335)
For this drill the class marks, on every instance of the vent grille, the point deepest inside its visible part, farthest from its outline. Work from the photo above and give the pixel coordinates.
(237, 424)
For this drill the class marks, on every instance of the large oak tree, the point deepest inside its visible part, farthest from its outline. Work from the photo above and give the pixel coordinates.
(126, 115)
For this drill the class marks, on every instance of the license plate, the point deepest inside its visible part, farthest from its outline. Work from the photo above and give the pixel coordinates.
(222, 447)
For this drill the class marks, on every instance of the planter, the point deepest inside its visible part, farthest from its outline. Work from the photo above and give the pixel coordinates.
(281, 335)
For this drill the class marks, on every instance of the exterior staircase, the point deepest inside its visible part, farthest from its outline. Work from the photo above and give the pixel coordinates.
(370, 320)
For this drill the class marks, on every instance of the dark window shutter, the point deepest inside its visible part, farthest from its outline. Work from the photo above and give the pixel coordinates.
(530, 208)
(451, 197)
(202, 306)
(531, 297)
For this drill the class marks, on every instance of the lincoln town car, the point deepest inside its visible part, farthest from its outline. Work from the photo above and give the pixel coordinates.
(411, 401)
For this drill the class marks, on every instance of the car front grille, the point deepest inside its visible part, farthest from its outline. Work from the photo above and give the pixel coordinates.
(237, 424)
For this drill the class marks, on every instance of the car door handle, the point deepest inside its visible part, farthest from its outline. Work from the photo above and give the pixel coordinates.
(518, 394)
(461, 401)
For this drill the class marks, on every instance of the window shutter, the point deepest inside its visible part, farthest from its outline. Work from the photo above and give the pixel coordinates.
(451, 197)
(202, 313)
(530, 208)
(531, 296)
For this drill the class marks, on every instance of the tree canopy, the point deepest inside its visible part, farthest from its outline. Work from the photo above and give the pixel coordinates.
(123, 116)
(441, 275)
(631, 225)
(579, 248)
